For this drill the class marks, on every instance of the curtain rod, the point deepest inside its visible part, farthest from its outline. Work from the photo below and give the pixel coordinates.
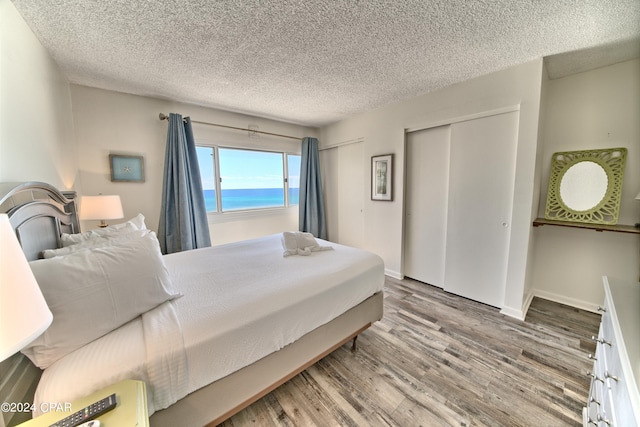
(163, 116)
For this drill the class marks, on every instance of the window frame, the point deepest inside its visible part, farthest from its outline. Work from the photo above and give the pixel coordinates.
(218, 179)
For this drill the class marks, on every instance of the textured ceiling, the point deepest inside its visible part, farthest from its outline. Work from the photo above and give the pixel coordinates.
(314, 62)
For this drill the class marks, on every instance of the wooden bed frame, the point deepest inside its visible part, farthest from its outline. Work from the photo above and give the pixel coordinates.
(40, 213)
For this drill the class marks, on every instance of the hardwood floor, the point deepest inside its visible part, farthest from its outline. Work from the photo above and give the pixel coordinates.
(437, 359)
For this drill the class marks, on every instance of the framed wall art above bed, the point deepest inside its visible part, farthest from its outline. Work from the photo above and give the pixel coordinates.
(126, 168)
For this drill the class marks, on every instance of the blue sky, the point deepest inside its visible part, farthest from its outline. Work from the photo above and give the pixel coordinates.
(247, 169)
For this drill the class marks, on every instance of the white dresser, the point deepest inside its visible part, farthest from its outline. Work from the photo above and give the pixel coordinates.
(614, 397)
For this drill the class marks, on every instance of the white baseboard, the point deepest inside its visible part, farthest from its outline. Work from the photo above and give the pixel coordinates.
(520, 313)
(512, 312)
(562, 299)
(393, 274)
(527, 303)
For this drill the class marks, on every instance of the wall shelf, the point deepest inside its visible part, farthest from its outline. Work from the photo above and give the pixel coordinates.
(618, 228)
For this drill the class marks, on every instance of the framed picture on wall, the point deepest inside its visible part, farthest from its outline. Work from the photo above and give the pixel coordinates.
(382, 177)
(126, 168)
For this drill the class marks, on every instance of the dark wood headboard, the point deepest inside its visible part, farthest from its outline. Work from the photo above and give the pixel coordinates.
(40, 214)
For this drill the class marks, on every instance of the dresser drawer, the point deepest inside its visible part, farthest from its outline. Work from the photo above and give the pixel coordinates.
(608, 415)
(619, 345)
(616, 382)
(614, 396)
(597, 390)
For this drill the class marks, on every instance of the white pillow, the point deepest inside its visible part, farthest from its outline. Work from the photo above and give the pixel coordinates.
(111, 239)
(94, 291)
(135, 223)
(137, 220)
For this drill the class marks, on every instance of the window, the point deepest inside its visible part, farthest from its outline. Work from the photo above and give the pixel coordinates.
(237, 179)
(293, 163)
(251, 179)
(207, 165)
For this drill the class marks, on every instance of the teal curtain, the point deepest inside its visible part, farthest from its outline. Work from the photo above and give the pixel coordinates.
(183, 218)
(311, 207)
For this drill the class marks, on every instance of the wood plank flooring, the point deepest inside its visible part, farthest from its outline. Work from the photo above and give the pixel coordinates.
(437, 359)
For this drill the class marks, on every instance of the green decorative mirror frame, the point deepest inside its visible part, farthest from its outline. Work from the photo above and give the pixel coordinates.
(585, 186)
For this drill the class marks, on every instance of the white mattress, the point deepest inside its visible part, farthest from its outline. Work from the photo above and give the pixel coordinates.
(242, 301)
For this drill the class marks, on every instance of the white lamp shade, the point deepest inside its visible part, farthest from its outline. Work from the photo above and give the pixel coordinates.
(638, 196)
(101, 207)
(24, 314)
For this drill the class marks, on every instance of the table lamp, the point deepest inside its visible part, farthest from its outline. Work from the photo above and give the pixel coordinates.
(101, 207)
(24, 314)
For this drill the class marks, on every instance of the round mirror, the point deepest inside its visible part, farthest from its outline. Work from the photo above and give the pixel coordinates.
(583, 186)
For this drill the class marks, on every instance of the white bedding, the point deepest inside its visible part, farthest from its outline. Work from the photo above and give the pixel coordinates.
(242, 301)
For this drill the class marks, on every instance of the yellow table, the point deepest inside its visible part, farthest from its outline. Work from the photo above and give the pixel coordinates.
(131, 409)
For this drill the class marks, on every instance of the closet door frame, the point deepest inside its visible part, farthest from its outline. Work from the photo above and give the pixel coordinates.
(418, 126)
(344, 175)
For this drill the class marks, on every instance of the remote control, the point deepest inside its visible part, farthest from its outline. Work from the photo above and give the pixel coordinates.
(90, 412)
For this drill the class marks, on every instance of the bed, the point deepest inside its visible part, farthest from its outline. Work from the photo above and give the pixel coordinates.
(240, 320)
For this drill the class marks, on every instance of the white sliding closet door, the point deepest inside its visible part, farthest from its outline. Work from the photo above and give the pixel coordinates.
(427, 169)
(481, 184)
(351, 194)
(344, 177)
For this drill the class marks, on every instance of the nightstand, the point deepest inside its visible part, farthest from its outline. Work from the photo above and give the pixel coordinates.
(130, 411)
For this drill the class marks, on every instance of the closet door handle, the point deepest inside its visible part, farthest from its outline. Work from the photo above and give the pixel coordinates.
(594, 376)
(601, 340)
(601, 419)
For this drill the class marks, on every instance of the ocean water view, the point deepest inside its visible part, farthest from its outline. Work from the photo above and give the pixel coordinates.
(250, 198)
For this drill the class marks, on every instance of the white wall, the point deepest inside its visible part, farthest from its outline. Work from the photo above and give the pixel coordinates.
(110, 122)
(595, 109)
(37, 141)
(383, 131)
